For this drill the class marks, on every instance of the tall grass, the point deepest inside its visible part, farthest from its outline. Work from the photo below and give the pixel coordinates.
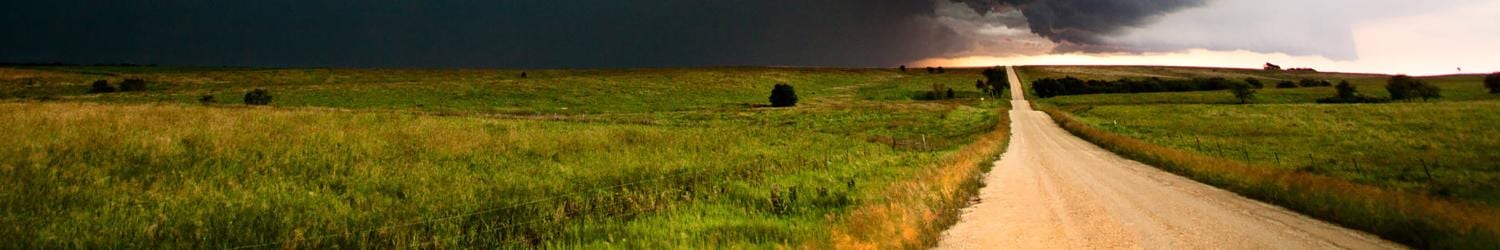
(1414, 219)
(921, 208)
(641, 159)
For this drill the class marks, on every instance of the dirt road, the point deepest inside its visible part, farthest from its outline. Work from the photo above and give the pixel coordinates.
(1054, 190)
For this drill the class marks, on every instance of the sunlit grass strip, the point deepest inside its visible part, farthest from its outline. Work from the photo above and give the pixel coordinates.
(1417, 220)
(919, 209)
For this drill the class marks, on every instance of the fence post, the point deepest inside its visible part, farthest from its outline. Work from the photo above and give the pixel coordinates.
(1278, 158)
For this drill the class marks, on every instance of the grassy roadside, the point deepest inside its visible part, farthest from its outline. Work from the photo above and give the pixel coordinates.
(1417, 220)
(923, 207)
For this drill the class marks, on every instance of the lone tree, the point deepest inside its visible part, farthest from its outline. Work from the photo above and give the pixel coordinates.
(997, 80)
(1492, 82)
(1243, 91)
(903, 68)
(1346, 90)
(783, 95)
(101, 86)
(258, 97)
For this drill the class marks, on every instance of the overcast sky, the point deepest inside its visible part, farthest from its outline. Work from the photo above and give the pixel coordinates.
(1387, 36)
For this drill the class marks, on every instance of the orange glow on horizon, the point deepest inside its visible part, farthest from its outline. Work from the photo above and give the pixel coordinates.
(1191, 58)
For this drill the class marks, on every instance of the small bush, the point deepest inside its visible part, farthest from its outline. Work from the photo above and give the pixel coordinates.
(1286, 85)
(133, 85)
(101, 86)
(1255, 83)
(258, 97)
(1492, 82)
(783, 95)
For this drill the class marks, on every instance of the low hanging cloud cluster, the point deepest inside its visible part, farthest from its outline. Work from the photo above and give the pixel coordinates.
(1053, 25)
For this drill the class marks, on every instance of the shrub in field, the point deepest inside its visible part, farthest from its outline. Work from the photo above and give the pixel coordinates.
(1243, 91)
(1492, 82)
(101, 86)
(523, 74)
(1403, 87)
(1348, 94)
(258, 97)
(1428, 91)
(1314, 83)
(783, 95)
(903, 68)
(1254, 83)
(1286, 85)
(133, 85)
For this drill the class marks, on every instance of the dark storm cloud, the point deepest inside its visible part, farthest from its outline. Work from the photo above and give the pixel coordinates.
(511, 33)
(539, 33)
(1085, 24)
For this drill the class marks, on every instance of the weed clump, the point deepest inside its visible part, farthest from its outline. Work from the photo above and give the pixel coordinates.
(783, 95)
(258, 97)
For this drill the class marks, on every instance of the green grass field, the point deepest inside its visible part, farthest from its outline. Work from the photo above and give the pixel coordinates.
(484, 158)
(1443, 149)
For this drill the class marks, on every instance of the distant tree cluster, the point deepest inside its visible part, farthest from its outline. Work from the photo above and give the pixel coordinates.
(1348, 94)
(783, 95)
(1049, 87)
(1492, 82)
(1272, 67)
(938, 70)
(129, 85)
(1403, 87)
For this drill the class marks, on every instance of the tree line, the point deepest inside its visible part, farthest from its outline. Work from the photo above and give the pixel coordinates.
(1050, 87)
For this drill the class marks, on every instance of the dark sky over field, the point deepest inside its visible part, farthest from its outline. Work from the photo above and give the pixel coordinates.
(524, 33)
(672, 33)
